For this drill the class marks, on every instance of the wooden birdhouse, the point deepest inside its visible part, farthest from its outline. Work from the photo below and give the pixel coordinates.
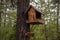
(33, 16)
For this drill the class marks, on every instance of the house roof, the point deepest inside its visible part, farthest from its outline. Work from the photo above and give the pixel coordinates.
(30, 6)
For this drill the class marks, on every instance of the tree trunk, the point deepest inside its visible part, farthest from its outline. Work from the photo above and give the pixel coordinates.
(22, 27)
(0, 12)
(0, 19)
(58, 38)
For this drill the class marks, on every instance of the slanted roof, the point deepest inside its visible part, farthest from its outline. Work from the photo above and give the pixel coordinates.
(33, 8)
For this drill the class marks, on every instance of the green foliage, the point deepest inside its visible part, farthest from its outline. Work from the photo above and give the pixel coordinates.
(38, 32)
(8, 32)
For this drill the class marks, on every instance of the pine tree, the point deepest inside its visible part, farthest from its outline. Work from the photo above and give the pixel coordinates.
(22, 27)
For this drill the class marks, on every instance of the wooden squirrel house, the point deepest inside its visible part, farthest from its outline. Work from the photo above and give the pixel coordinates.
(33, 16)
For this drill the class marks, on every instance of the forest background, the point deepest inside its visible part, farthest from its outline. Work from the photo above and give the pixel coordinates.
(49, 31)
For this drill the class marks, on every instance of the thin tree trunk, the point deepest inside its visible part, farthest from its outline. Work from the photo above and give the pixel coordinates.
(0, 12)
(45, 26)
(58, 21)
(22, 27)
(0, 19)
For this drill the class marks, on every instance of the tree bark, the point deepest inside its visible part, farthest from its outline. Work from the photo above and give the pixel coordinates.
(22, 26)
